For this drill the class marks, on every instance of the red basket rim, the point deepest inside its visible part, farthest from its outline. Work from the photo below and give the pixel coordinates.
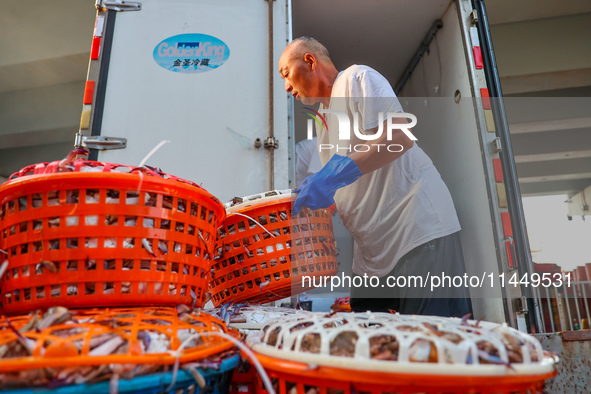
(42, 171)
(66, 165)
(287, 369)
(259, 203)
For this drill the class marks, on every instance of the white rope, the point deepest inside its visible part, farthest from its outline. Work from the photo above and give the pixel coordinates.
(239, 345)
(175, 371)
(114, 384)
(3, 268)
(139, 186)
(248, 217)
(145, 159)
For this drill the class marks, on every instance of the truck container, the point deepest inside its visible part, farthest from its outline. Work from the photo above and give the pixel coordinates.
(203, 76)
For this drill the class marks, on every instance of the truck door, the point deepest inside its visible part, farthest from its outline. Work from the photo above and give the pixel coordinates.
(197, 75)
(523, 300)
(453, 89)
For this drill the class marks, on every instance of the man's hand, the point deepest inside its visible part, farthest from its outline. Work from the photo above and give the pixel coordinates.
(317, 191)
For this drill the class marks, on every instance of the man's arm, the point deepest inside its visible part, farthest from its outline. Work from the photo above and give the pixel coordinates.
(317, 191)
(378, 155)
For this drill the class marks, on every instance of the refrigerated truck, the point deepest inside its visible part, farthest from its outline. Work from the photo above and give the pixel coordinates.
(199, 80)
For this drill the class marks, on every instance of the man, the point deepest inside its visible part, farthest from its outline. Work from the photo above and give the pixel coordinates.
(393, 202)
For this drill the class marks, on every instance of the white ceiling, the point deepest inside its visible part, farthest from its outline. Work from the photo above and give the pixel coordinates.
(507, 11)
(337, 23)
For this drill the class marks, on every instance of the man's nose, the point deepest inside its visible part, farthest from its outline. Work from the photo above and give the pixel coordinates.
(288, 86)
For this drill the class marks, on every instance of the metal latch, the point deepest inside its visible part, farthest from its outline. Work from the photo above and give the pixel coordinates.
(271, 142)
(100, 142)
(119, 5)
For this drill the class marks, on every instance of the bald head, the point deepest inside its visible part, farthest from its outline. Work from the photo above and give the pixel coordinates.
(307, 70)
(302, 45)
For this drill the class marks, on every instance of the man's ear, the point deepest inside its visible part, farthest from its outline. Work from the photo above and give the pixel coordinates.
(311, 60)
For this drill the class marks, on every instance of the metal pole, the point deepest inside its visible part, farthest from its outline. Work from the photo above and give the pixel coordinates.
(271, 101)
(540, 312)
(550, 310)
(577, 303)
(424, 47)
(586, 304)
(570, 318)
(559, 308)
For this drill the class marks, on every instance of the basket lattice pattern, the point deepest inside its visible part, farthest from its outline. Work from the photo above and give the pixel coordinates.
(263, 256)
(105, 238)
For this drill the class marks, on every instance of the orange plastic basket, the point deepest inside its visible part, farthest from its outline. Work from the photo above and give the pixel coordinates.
(84, 339)
(392, 353)
(266, 261)
(104, 235)
(243, 379)
(288, 375)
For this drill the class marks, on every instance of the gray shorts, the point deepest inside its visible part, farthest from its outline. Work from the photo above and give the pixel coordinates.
(436, 257)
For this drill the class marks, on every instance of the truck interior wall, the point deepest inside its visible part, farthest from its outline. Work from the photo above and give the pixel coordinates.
(211, 118)
(449, 134)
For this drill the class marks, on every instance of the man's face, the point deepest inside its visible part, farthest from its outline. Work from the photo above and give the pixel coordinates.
(298, 75)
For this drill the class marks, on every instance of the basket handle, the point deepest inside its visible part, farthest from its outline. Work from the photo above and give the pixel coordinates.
(248, 217)
(38, 168)
(76, 160)
(217, 245)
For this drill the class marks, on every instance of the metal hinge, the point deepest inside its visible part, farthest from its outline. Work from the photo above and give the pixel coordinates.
(99, 142)
(495, 145)
(118, 5)
(271, 142)
(474, 17)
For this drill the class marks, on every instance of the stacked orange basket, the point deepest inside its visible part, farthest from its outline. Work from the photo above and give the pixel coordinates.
(63, 347)
(88, 234)
(385, 353)
(264, 253)
(84, 234)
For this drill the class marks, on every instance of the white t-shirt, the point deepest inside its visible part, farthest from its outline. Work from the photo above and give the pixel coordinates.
(398, 207)
(307, 159)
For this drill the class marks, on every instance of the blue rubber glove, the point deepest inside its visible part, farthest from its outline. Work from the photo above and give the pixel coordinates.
(317, 191)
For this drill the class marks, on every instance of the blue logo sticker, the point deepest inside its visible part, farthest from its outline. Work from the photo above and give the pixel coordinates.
(191, 53)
